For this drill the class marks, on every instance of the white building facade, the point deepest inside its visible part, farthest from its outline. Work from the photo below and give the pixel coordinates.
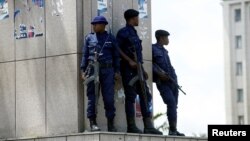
(236, 14)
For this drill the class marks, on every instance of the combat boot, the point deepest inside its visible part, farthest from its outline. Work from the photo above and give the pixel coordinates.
(175, 133)
(93, 125)
(173, 130)
(149, 128)
(111, 127)
(131, 126)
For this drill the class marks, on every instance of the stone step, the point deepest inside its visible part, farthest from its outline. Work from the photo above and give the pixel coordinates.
(107, 136)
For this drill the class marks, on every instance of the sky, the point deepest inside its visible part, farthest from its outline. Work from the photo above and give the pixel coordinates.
(196, 53)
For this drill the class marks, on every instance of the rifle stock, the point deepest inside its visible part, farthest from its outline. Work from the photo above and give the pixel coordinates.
(140, 76)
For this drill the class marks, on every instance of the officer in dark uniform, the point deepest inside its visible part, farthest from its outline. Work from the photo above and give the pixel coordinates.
(129, 44)
(105, 45)
(168, 90)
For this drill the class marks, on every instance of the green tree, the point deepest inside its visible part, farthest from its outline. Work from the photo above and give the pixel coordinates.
(164, 126)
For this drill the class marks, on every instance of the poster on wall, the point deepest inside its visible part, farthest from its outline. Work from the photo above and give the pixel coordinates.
(39, 3)
(4, 12)
(57, 7)
(29, 19)
(143, 9)
(102, 7)
(138, 113)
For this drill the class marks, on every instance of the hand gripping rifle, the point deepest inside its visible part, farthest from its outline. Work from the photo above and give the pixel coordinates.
(95, 78)
(140, 76)
(170, 78)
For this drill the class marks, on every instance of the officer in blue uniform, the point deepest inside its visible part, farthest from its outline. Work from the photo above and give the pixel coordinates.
(105, 45)
(129, 44)
(168, 90)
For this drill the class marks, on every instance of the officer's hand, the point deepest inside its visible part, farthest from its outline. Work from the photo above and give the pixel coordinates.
(145, 75)
(133, 64)
(163, 77)
(117, 76)
(83, 76)
(118, 83)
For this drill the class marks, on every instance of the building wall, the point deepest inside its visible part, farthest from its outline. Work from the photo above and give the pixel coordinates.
(233, 82)
(41, 92)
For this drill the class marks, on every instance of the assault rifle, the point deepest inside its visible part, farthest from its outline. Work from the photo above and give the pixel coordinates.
(140, 76)
(170, 78)
(95, 77)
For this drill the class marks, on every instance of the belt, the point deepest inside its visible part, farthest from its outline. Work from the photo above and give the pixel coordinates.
(106, 65)
(102, 65)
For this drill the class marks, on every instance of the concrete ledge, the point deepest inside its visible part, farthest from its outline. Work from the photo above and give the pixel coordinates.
(107, 136)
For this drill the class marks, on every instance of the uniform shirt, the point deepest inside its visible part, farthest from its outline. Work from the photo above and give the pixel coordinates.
(161, 58)
(106, 45)
(126, 37)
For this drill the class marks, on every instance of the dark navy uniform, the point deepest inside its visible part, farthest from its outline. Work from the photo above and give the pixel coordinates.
(168, 89)
(102, 47)
(130, 44)
(106, 45)
(128, 73)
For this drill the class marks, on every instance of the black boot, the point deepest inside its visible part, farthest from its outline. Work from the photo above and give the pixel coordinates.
(131, 126)
(149, 128)
(93, 125)
(173, 131)
(111, 127)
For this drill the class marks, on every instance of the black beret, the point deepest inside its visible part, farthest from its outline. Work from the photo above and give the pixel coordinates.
(160, 33)
(130, 13)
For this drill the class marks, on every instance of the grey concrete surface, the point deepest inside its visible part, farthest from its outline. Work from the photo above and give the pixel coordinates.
(61, 29)
(108, 136)
(30, 98)
(61, 94)
(7, 99)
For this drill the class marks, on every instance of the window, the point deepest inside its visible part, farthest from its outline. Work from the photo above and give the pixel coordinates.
(239, 68)
(238, 41)
(241, 120)
(240, 95)
(237, 15)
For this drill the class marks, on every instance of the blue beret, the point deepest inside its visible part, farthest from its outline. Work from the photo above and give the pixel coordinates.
(99, 20)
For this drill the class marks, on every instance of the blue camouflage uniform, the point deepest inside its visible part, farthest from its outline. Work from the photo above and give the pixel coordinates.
(168, 91)
(124, 38)
(109, 58)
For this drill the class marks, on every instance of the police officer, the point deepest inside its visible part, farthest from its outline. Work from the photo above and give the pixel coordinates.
(105, 45)
(129, 44)
(168, 90)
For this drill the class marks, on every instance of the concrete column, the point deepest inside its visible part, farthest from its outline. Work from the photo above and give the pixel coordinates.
(64, 100)
(41, 90)
(114, 14)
